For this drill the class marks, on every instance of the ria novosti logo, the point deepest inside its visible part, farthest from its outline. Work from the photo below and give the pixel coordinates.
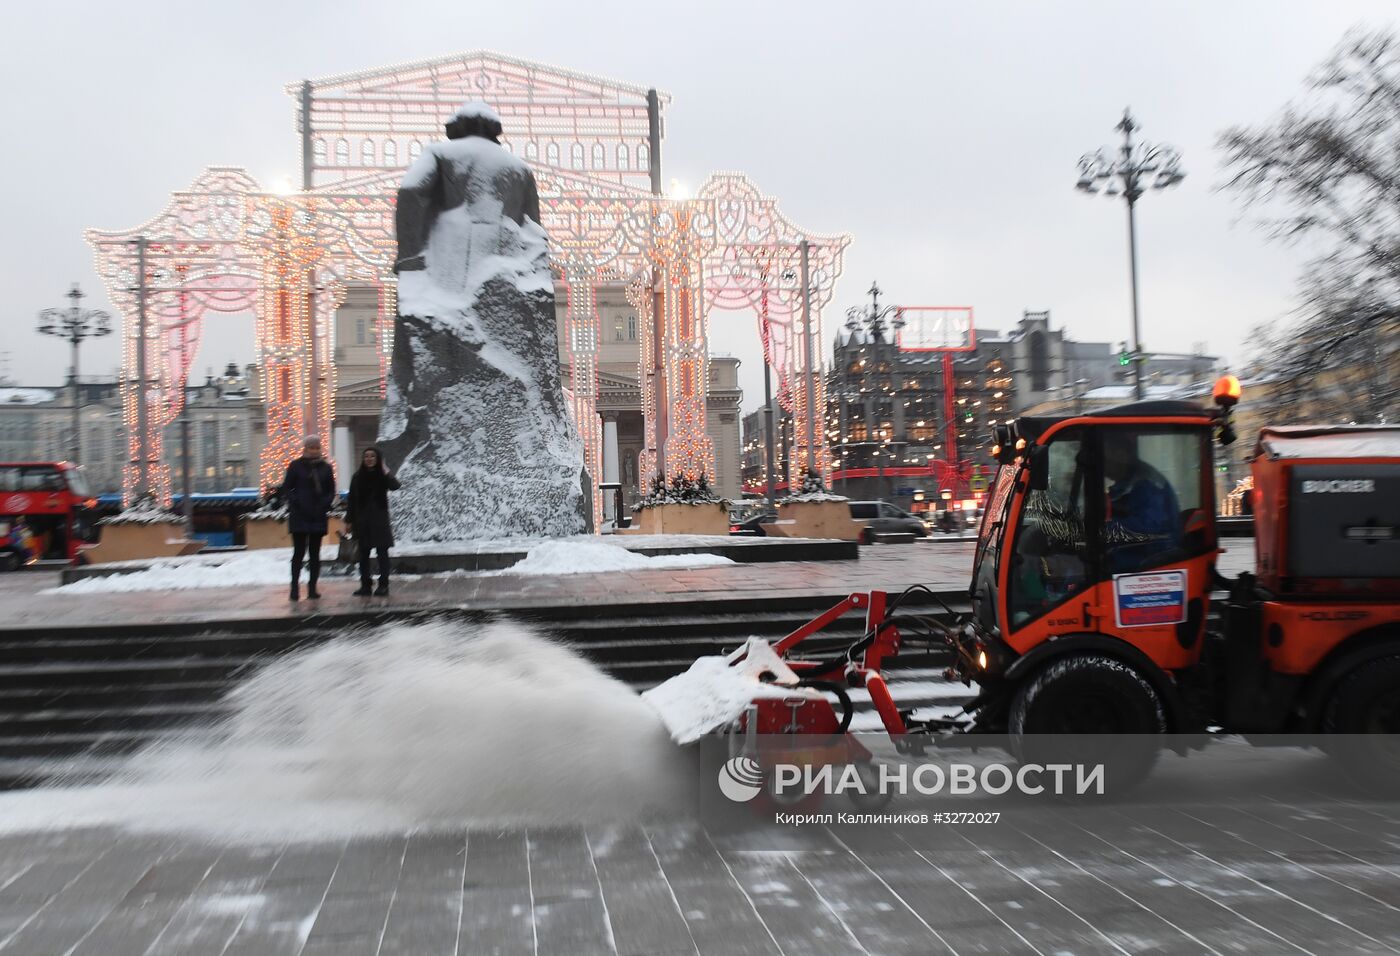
(740, 779)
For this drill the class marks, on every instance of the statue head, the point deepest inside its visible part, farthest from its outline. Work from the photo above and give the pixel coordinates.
(475, 119)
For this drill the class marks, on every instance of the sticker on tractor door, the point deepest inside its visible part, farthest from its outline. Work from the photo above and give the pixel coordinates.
(1142, 600)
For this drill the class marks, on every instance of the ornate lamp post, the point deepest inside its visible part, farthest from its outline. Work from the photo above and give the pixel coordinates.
(75, 324)
(874, 320)
(1130, 171)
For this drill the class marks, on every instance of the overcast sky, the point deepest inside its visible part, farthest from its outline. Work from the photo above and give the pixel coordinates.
(942, 135)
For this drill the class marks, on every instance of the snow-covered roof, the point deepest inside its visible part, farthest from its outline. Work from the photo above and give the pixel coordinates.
(25, 396)
(1116, 393)
(1330, 441)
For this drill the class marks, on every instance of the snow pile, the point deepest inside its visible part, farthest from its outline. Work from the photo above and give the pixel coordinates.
(232, 569)
(716, 689)
(25, 396)
(527, 543)
(235, 569)
(144, 510)
(420, 726)
(593, 556)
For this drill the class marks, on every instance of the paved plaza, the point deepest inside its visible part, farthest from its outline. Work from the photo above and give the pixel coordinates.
(1231, 850)
(939, 564)
(1278, 868)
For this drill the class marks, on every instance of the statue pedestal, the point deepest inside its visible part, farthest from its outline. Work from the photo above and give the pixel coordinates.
(263, 533)
(815, 519)
(134, 541)
(681, 519)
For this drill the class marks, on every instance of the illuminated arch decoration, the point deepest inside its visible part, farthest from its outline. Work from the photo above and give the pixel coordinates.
(226, 245)
(757, 266)
(195, 262)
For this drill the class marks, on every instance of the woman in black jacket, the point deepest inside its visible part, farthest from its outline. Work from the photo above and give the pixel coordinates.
(367, 510)
(309, 491)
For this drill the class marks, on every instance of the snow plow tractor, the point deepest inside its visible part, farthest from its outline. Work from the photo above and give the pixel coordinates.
(1092, 587)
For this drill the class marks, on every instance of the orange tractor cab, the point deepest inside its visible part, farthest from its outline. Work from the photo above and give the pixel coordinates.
(1095, 567)
(1092, 583)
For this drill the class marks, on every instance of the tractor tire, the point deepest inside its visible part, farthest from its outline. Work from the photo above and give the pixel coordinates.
(1364, 711)
(1087, 710)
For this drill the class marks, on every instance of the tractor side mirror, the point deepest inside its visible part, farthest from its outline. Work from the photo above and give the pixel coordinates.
(1038, 466)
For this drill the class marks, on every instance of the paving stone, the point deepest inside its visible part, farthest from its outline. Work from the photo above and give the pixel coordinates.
(497, 914)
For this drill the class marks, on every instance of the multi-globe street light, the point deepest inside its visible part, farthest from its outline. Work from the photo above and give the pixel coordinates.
(1130, 171)
(75, 324)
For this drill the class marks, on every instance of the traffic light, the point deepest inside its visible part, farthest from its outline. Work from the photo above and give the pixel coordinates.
(1125, 357)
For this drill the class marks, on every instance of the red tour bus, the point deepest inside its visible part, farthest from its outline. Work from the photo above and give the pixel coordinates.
(46, 512)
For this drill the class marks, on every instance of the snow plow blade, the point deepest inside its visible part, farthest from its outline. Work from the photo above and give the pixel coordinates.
(716, 690)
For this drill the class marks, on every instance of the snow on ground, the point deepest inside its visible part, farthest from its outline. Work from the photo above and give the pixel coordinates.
(231, 569)
(226, 569)
(425, 548)
(574, 556)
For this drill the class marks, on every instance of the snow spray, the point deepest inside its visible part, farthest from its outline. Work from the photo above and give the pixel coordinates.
(416, 726)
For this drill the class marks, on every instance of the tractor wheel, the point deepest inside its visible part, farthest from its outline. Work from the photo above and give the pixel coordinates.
(1089, 710)
(1364, 709)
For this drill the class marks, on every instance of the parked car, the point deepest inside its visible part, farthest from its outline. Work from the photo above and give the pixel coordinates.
(881, 517)
(753, 526)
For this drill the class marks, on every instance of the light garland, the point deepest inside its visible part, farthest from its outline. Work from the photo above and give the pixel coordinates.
(602, 221)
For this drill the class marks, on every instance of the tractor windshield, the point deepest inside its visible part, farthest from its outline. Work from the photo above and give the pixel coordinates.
(1050, 560)
(994, 514)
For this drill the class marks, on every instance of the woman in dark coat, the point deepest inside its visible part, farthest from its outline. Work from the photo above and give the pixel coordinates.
(367, 510)
(309, 491)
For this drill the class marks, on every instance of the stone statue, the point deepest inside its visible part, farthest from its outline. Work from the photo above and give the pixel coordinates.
(475, 421)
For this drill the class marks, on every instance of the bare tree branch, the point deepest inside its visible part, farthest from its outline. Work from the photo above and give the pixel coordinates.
(1328, 170)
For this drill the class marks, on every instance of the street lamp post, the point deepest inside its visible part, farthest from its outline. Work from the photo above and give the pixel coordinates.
(1130, 171)
(874, 320)
(75, 324)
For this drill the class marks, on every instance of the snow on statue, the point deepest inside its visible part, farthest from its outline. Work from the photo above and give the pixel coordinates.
(475, 419)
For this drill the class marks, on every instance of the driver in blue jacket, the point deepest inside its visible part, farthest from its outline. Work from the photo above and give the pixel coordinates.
(1143, 523)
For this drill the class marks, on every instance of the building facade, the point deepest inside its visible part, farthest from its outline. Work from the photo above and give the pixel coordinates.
(360, 396)
(892, 414)
(1050, 368)
(223, 425)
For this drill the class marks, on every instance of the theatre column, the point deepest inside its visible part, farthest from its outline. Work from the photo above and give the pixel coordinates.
(610, 461)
